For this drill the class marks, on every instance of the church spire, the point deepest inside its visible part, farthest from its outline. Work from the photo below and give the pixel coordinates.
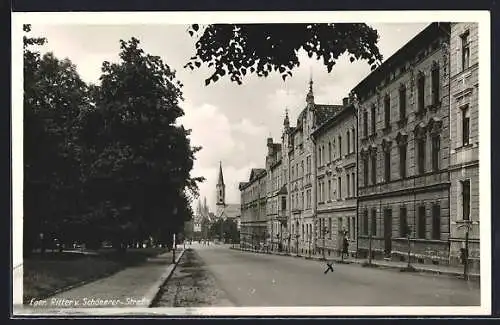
(221, 177)
(310, 94)
(286, 122)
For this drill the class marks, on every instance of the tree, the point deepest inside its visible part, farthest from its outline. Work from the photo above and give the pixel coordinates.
(224, 229)
(140, 160)
(236, 50)
(55, 98)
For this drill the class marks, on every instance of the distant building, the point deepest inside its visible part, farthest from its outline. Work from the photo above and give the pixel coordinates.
(464, 158)
(253, 209)
(276, 195)
(202, 214)
(225, 210)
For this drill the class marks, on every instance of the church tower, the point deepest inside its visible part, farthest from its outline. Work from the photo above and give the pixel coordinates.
(221, 192)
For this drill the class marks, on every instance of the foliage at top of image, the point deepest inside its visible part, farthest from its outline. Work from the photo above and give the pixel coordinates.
(236, 50)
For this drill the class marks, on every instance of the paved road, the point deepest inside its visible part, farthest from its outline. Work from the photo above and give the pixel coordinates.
(251, 279)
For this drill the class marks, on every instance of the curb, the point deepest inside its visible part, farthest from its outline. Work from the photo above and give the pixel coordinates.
(472, 277)
(152, 294)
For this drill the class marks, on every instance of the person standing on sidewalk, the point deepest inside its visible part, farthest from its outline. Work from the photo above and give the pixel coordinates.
(345, 246)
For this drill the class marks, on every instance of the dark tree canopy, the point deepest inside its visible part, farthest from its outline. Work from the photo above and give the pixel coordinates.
(108, 161)
(237, 50)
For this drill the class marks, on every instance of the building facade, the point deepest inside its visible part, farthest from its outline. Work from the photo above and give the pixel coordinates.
(276, 195)
(335, 148)
(404, 141)
(253, 210)
(464, 128)
(299, 150)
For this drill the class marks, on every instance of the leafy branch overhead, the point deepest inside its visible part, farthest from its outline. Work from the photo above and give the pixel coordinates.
(238, 50)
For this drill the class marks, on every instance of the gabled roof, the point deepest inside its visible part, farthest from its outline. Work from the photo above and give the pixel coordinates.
(325, 112)
(256, 172)
(230, 211)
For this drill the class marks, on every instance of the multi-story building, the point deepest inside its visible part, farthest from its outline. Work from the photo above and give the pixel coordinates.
(404, 141)
(300, 161)
(253, 209)
(464, 130)
(335, 148)
(276, 195)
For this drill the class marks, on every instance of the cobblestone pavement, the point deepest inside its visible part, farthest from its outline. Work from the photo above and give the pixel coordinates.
(191, 285)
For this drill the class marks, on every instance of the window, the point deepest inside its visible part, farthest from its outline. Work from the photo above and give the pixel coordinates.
(348, 143)
(373, 119)
(374, 169)
(329, 228)
(435, 85)
(402, 103)
(340, 224)
(421, 222)
(329, 151)
(365, 124)
(353, 185)
(402, 161)
(421, 156)
(302, 235)
(302, 168)
(340, 187)
(365, 222)
(466, 200)
(329, 190)
(283, 203)
(354, 140)
(436, 222)
(348, 186)
(465, 50)
(323, 153)
(387, 159)
(387, 111)
(323, 196)
(435, 153)
(421, 93)
(302, 200)
(403, 222)
(365, 171)
(374, 222)
(465, 125)
(319, 157)
(340, 146)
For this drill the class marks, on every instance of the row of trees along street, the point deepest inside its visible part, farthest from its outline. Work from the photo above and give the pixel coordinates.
(104, 162)
(108, 162)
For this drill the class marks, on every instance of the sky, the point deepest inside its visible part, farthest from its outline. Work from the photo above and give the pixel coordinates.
(230, 121)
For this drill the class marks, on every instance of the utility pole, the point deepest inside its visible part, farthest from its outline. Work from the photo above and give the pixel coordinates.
(324, 231)
(467, 226)
(173, 249)
(310, 239)
(370, 249)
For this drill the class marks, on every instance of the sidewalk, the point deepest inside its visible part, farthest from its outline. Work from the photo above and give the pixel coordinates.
(135, 286)
(419, 268)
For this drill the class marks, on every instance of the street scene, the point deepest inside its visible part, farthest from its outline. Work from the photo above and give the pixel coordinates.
(236, 165)
(251, 279)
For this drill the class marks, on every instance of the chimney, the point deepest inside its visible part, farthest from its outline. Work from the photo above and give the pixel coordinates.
(345, 101)
(269, 146)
